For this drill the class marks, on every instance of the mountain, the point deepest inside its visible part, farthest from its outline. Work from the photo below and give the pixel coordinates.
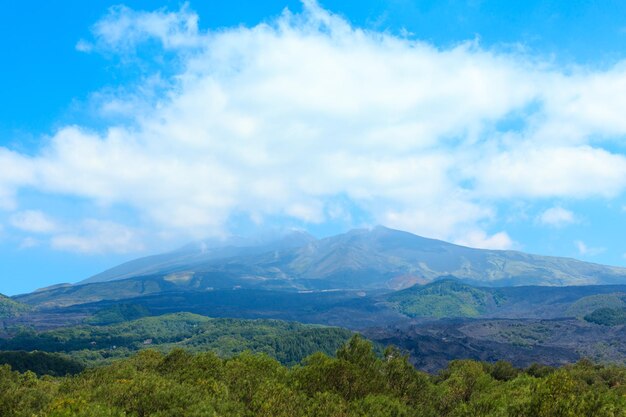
(196, 255)
(436, 300)
(360, 259)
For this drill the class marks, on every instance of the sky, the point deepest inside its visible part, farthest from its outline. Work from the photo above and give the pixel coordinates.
(127, 129)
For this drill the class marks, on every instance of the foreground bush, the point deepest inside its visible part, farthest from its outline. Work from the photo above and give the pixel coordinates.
(354, 383)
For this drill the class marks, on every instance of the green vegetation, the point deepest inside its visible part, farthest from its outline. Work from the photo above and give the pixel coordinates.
(67, 295)
(41, 363)
(355, 383)
(288, 342)
(11, 308)
(445, 298)
(607, 316)
(589, 304)
(118, 313)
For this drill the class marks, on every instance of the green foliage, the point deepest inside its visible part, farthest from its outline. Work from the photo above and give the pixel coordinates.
(503, 371)
(589, 304)
(539, 371)
(355, 383)
(445, 298)
(11, 308)
(288, 342)
(607, 316)
(41, 363)
(118, 313)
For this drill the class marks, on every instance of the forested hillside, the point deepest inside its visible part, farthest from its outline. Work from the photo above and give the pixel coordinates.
(11, 308)
(354, 383)
(444, 298)
(288, 342)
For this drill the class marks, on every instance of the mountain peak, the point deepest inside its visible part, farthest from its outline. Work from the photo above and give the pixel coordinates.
(366, 258)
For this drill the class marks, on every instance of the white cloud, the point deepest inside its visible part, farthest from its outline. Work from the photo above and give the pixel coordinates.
(16, 171)
(96, 236)
(479, 239)
(84, 46)
(282, 119)
(585, 250)
(557, 217)
(123, 28)
(33, 221)
(531, 172)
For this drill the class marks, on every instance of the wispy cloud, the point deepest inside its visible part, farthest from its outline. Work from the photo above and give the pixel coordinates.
(288, 118)
(479, 239)
(84, 46)
(122, 29)
(556, 217)
(585, 250)
(33, 221)
(94, 236)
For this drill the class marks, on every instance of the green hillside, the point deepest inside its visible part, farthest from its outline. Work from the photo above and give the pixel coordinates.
(445, 298)
(70, 294)
(607, 316)
(118, 313)
(11, 308)
(587, 305)
(288, 342)
(41, 363)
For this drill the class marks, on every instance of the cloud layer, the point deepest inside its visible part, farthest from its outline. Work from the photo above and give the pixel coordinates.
(307, 119)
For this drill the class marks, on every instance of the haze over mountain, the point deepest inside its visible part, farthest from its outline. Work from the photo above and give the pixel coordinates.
(378, 258)
(195, 255)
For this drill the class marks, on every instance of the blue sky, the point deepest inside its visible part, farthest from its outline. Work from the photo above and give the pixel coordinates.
(127, 129)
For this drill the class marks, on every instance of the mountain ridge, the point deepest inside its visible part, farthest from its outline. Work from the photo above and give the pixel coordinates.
(198, 252)
(367, 258)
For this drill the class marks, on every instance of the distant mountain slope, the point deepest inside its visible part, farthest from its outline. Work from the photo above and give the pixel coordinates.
(149, 285)
(11, 308)
(449, 298)
(587, 305)
(191, 256)
(351, 309)
(364, 259)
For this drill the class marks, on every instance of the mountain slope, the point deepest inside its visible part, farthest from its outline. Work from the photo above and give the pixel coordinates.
(11, 308)
(449, 297)
(193, 256)
(401, 259)
(366, 259)
(361, 260)
(587, 305)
